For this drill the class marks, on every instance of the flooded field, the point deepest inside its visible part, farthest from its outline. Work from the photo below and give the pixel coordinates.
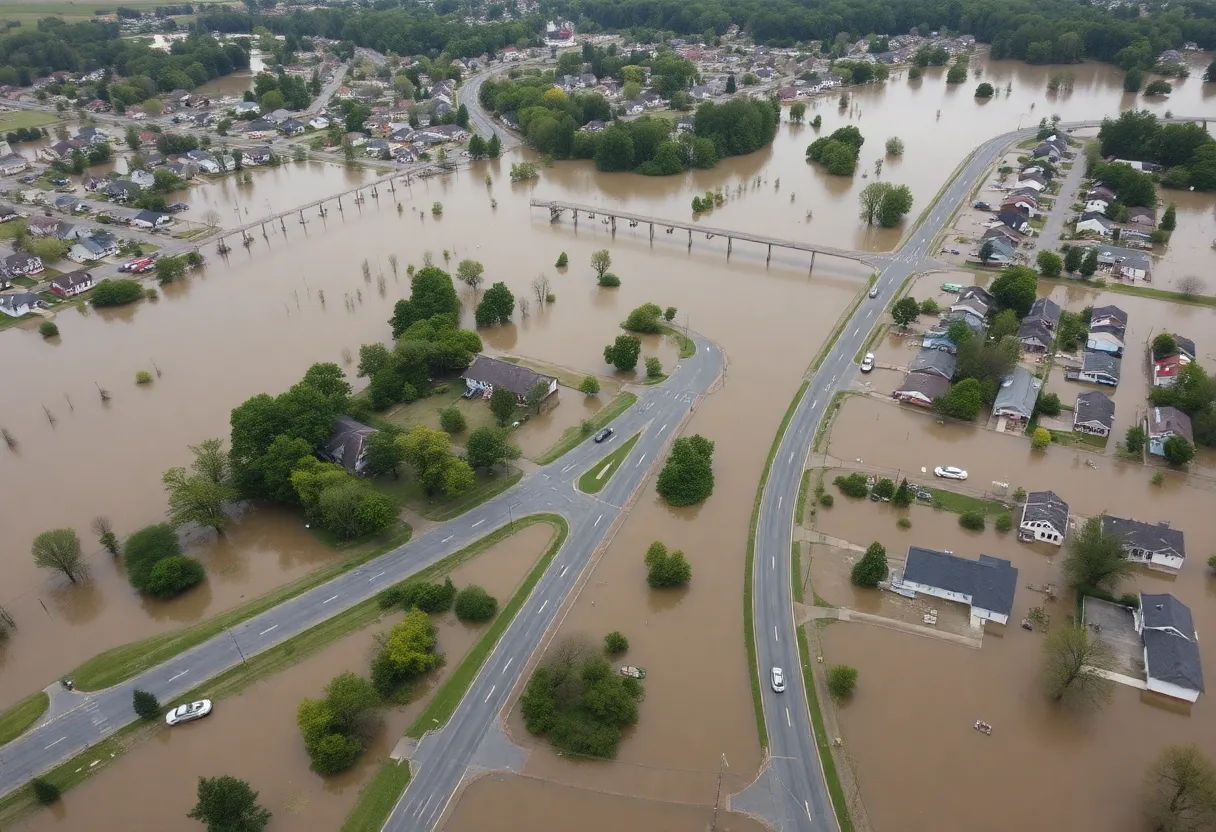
(276, 764)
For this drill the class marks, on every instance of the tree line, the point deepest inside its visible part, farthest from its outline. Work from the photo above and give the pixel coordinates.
(1186, 152)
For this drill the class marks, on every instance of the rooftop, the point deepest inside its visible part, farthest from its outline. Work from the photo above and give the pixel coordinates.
(991, 582)
(1046, 506)
(1018, 394)
(498, 373)
(1095, 406)
(1151, 537)
(1173, 659)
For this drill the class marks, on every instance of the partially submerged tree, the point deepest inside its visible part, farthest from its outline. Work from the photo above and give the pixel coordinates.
(1180, 791)
(1070, 658)
(104, 529)
(1096, 559)
(226, 804)
(872, 567)
(59, 549)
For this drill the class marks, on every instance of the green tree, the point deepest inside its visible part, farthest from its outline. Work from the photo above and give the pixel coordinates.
(562, 260)
(884, 489)
(1135, 439)
(1178, 451)
(601, 262)
(590, 386)
(731, 86)
(623, 352)
(797, 112)
(226, 804)
(669, 314)
(615, 643)
(431, 293)
(1005, 323)
(687, 477)
(957, 74)
(1159, 87)
(59, 549)
(428, 451)
(170, 577)
(1164, 345)
(644, 318)
(1048, 404)
(146, 705)
(1016, 288)
(114, 292)
(903, 494)
(537, 393)
(385, 454)
(1169, 220)
(471, 273)
(1095, 559)
(145, 548)
(169, 269)
(45, 792)
(1070, 657)
(409, 650)
(1073, 255)
(666, 569)
(1180, 790)
(973, 520)
(1090, 264)
(905, 311)
(496, 307)
(1050, 263)
(986, 251)
(984, 90)
(872, 567)
(200, 495)
(502, 405)
(654, 367)
(1133, 80)
(842, 680)
(488, 447)
(452, 420)
(104, 529)
(1040, 439)
(962, 401)
(473, 603)
(494, 146)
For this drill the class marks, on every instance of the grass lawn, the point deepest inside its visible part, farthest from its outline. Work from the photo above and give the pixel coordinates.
(12, 229)
(121, 663)
(835, 790)
(378, 797)
(1083, 440)
(572, 437)
(7, 321)
(476, 411)
(25, 713)
(688, 347)
(594, 480)
(25, 282)
(28, 14)
(565, 377)
(486, 486)
(958, 503)
(15, 119)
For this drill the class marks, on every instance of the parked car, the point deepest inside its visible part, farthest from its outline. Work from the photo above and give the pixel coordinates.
(602, 435)
(188, 713)
(867, 363)
(778, 677)
(176, 207)
(59, 180)
(950, 472)
(470, 393)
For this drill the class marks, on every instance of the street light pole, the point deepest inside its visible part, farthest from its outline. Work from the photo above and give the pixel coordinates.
(238, 646)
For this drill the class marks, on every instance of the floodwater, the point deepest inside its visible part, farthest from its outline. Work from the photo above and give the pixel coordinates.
(276, 765)
(914, 751)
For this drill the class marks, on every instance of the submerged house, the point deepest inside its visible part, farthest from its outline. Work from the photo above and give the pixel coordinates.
(1153, 544)
(1044, 518)
(486, 374)
(986, 585)
(1094, 413)
(1171, 647)
(1016, 398)
(347, 445)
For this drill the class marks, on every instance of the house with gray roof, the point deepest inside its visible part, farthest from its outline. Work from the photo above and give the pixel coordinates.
(938, 362)
(921, 389)
(986, 585)
(1034, 336)
(1094, 413)
(1100, 368)
(1171, 647)
(347, 445)
(1044, 518)
(486, 374)
(1153, 544)
(973, 299)
(1164, 422)
(1016, 398)
(1046, 311)
(1185, 346)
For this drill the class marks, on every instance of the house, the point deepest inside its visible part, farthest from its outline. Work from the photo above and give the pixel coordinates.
(259, 155)
(207, 162)
(86, 251)
(1141, 216)
(446, 132)
(1019, 205)
(1000, 251)
(986, 585)
(1100, 368)
(259, 128)
(1017, 396)
(487, 374)
(973, 299)
(142, 178)
(291, 127)
(1046, 150)
(1014, 220)
(202, 119)
(935, 362)
(1171, 647)
(921, 389)
(1106, 338)
(354, 139)
(245, 108)
(1096, 206)
(71, 284)
(1044, 518)
(1153, 544)
(151, 219)
(318, 122)
(1108, 315)
(1001, 232)
(183, 169)
(1096, 222)
(347, 445)
(13, 163)
(593, 126)
(19, 303)
(937, 339)
(122, 190)
(1032, 180)
(1164, 422)
(1186, 347)
(8, 212)
(1034, 336)
(1094, 413)
(1165, 371)
(40, 226)
(21, 264)
(1100, 192)
(92, 135)
(976, 323)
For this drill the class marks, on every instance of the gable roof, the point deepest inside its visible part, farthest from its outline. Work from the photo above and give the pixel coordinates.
(1172, 659)
(1101, 362)
(938, 362)
(1171, 420)
(346, 443)
(1112, 312)
(498, 373)
(1012, 219)
(1165, 611)
(991, 582)
(1045, 310)
(1185, 345)
(1151, 537)
(71, 280)
(1046, 506)
(928, 385)
(18, 299)
(1095, 406)
(1018, 393)
(1035, 331)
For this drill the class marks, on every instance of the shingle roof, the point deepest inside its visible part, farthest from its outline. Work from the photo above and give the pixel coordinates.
(1163, 611)
(1018, 393)
(513, 377)
(1114, 312)
(1046, 506)
(1095, 406)
(938, 362)
(346, 443)
(1152, 537)
(1045, 310)
(1185, 345)
(927, 384)
(991, 582)
(1032, 330)
(1171, 420)
(1101, 362)
(1173, 659)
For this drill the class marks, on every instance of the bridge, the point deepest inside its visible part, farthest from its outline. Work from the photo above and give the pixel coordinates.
(609, 216)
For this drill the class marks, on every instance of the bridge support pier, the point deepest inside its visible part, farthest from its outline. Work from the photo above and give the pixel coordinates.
(340, 209)
(264, 234)
(652, 232)
(575, 212)
(812, 268)
(282, 224)
(769, 258)
(730, 242)
(690, 239)
(613, 219)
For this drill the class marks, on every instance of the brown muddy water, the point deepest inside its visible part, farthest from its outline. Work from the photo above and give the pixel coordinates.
(915, 751)
(276, 764)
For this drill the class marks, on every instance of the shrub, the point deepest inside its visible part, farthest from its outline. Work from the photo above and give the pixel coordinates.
(45, 792)
(1130, 599)
(884, 489)
(827, 500)
(1048, 404)
(428, 597)
(562, 260)
(665, 569)
(842, 680)
(590, 386)
(47, 329)
(1004, 522)
(143, 377)
(437, 209)
(116, 292)
(146, 705)
(654, 368)
(872, 567)
(1040, 439)
(1158, 478)
(551, 298)
(151, 294)
(643, 319)
(475, 604)
(929, 306)
(1019, 494)
(904, 523)
(854, 485)
(687, 477)
(973, 520)
(609, 279)
(615, 643)
(172, 576)
(145, 549)
(452, 420)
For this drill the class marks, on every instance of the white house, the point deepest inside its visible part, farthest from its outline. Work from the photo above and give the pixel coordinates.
(1044, 518)
(487, 374)
(21, 264)
(1155, 545)
(1171, 647)
(86, 251)
(1094, 413)
(1096, 223)
(13, 163)
(986, 585)
(318, 122)
(71, 284)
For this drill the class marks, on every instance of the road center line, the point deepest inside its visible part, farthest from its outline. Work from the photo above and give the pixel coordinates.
(597, 521)
(373, 577)
(814, 403)
(330, 598)
(808, 809)
(491, 693)
(478, 523)
(446, 539)
(639, 462)
(775, 636)
(542, 607)
(562, 574)
(508, 664)
(787, 718)
(791, 456)
(179, 675)
(55, 743)
(779, 499)
(268, 629)
(855, 330)
(663, 428)
(773, 565)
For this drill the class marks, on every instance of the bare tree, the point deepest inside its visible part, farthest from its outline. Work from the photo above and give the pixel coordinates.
(211, 219)
(524, 308)
(1070, 659)
(1190, 286)
(428, 259)
(59, 549)
(392, 261)
(541, 288)
(9, 439)
(569, 651)
(367, 272)
(104, 529)
(1180, 791)
(7, 624)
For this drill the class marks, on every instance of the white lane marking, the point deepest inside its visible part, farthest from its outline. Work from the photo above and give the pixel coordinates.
(446, 539)
(814, 403)
(775, 636)
(491, 693)
(542, 607)
(787, 718)
(424, 805)
(855, 329)
(563, 572)
(178, 676)
(639, 462)
(808, 809)
(508, 664)
(55, 743)
(779, 499)
(568, 467)
(478, 523)
(870, 313)
(373, 577)
(330, 598)
(791, 456)
(663, 428)
(597, 521)
(774, 562)
(268, 629)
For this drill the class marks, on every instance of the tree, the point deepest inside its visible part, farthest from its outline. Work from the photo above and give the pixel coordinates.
(1164, 345)
(615, 643)
(895, 146)
(226, 804)
(666, 569)
(473, 603)
(170, 577)
(1190, 286)
(1180, 790)
(1178, 451)
(842, 680)
(470, 273)
(984, 90)
(428, 451)
(903, 494)
(146, 705)
(872, 567)
(1133, 80)
(502, 405)
(1159, 87)
(431, 293)
(962, 401)
(1040, 439)
(623, 352)
(905, 311)
(731, 87)
(409, 650)
(644, 318)
(45, 792)
(654, 367)
(687, 478)
(986, 251)
(1050, 263)
(114, 292)
(601, 261)
(496, 307)
(452, 420)
(385, 454)
(1073, 255)
(477, 147)
(349, 698)
(494, 146)
(590, 386)
(1005, 323)
(197, 498)
(797, 112)
(1095, 559)
(669, 313)
(562, 260)
(488, 447)
(1134, 441)
(169, 269)
(957, 74)
(1169, 220)
(1048, 404)
(104, 529)
(541, 288)
(59, 549)
(1090, 264)
(1070, 656)
(1016, 288)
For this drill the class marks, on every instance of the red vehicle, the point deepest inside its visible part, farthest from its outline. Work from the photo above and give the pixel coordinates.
(143, 265)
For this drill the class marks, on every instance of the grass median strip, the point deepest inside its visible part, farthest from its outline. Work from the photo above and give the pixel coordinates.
(688, 347)
(21, 716)
(378, 797)
(594, 480)
(835, 790)
(575, 435)
(121, 663)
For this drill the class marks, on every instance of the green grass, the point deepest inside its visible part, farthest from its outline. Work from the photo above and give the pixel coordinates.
(829, 415)
(12, 229)
(6, 321)
(440, 509)
(749, 627)
(800, 506)
(835, 790)
(796, 568)
(21, 716)
(592, 481)
(1143, 292)
(959, 503)
(28, 14)
(17, 119)
(25, 282)
(445, 701)
(688, 347)
(378, 797)
(121, 663)
(572, 437)
(1084, 440)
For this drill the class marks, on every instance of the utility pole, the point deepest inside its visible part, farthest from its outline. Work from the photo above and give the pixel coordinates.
(718, 797)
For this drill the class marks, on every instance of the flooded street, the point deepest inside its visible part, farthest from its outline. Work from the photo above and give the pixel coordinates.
(276, 764)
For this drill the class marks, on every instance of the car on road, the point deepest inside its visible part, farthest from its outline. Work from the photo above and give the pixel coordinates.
(602, 435)
(867, 363)
(873, 291)
(778, 680)
(949, 472)
(59, 180)
(188, 712)
(955, 251)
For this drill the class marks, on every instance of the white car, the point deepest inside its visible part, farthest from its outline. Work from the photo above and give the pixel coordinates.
(188, 713)
(950, 472)
(867, 363)
(778, 680)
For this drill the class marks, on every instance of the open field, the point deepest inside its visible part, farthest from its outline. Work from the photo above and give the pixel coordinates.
(29, 13)
(23, 118)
